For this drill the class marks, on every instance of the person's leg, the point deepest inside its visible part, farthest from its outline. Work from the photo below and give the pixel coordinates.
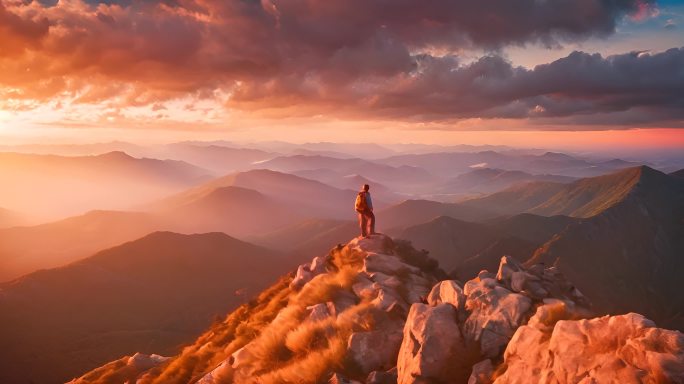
(362, 223)
(371, 222)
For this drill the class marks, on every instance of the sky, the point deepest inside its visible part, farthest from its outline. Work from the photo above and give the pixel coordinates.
(541, 73)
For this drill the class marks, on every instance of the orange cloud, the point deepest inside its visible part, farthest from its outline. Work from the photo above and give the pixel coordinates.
(353, 59)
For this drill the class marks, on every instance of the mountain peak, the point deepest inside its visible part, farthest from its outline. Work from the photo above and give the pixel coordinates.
(642, 178)
(116, 155)
(376, 311)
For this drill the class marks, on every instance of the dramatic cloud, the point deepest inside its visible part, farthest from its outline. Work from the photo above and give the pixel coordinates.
(368, 59)
(631, 88)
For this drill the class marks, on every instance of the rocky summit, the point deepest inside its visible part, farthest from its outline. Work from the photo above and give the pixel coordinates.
(376, 311)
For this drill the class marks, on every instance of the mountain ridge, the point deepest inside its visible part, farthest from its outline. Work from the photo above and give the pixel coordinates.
(376, 311)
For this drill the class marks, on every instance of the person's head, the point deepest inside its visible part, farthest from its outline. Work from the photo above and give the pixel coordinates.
(365, 187)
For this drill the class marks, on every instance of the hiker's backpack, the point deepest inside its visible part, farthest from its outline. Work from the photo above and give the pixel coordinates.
(361, 204)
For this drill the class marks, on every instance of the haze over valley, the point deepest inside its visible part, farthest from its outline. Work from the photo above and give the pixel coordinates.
(341, 192)
(92, 262)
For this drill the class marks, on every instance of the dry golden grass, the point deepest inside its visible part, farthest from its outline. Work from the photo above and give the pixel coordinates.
(282, 345)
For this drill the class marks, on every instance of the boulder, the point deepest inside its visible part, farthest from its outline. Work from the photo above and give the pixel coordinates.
(143, 362)
(432, 347)
(302, 277)
(495, 314)
(387, 264)
(364, 288)
(387, 299)
(319, 312)
(522, 281)
(375, 243)
(306, 272)
(319, 265)
(507, 266)
(418, 287)
(448, 292)
(384, 279)
(485, 274)
(375, 350)
(611, 349)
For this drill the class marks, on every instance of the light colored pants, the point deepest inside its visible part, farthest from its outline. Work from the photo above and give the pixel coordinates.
(366, 222)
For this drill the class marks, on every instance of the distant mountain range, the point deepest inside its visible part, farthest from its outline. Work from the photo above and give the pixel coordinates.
(627, 253)
(152, 294)
(51, 187)
(452, 164)
(464, 248)
(623, 227)
(618, 237)
(488, 180)
(307, 198)
(241, 204)
(26, 249)
(403, 177)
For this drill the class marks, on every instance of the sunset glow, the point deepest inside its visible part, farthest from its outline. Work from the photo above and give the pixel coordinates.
(162, 71)
(341, 191)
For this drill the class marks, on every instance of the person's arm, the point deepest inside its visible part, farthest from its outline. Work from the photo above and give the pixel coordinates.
(369, 201)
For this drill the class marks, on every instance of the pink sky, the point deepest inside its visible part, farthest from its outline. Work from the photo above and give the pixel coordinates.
(599, 75)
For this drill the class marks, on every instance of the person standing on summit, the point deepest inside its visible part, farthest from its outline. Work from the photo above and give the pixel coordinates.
(364, 207)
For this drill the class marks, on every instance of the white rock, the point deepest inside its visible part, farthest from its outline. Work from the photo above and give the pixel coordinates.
(302, 277)
(143, 362)
(387, 264)
(447, 291)
(507, 266)
(387, 299)
(376, 243)
(432, 346)
(306, 272)
(364, 288)
(611, 349)
(319, 265)
(319, 312)
(384, 279)
(375, 350)
(495, 315)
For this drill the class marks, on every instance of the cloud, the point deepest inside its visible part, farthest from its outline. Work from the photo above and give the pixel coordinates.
(639, 87)
(359, 59)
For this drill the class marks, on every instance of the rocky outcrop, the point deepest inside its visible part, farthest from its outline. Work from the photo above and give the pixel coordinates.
(610, 349)
(371, 313)
(495, 314)
(348, 309)
(482, 318)
(432, 346)
(306, 272)
(447, 291)
(375, 350)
